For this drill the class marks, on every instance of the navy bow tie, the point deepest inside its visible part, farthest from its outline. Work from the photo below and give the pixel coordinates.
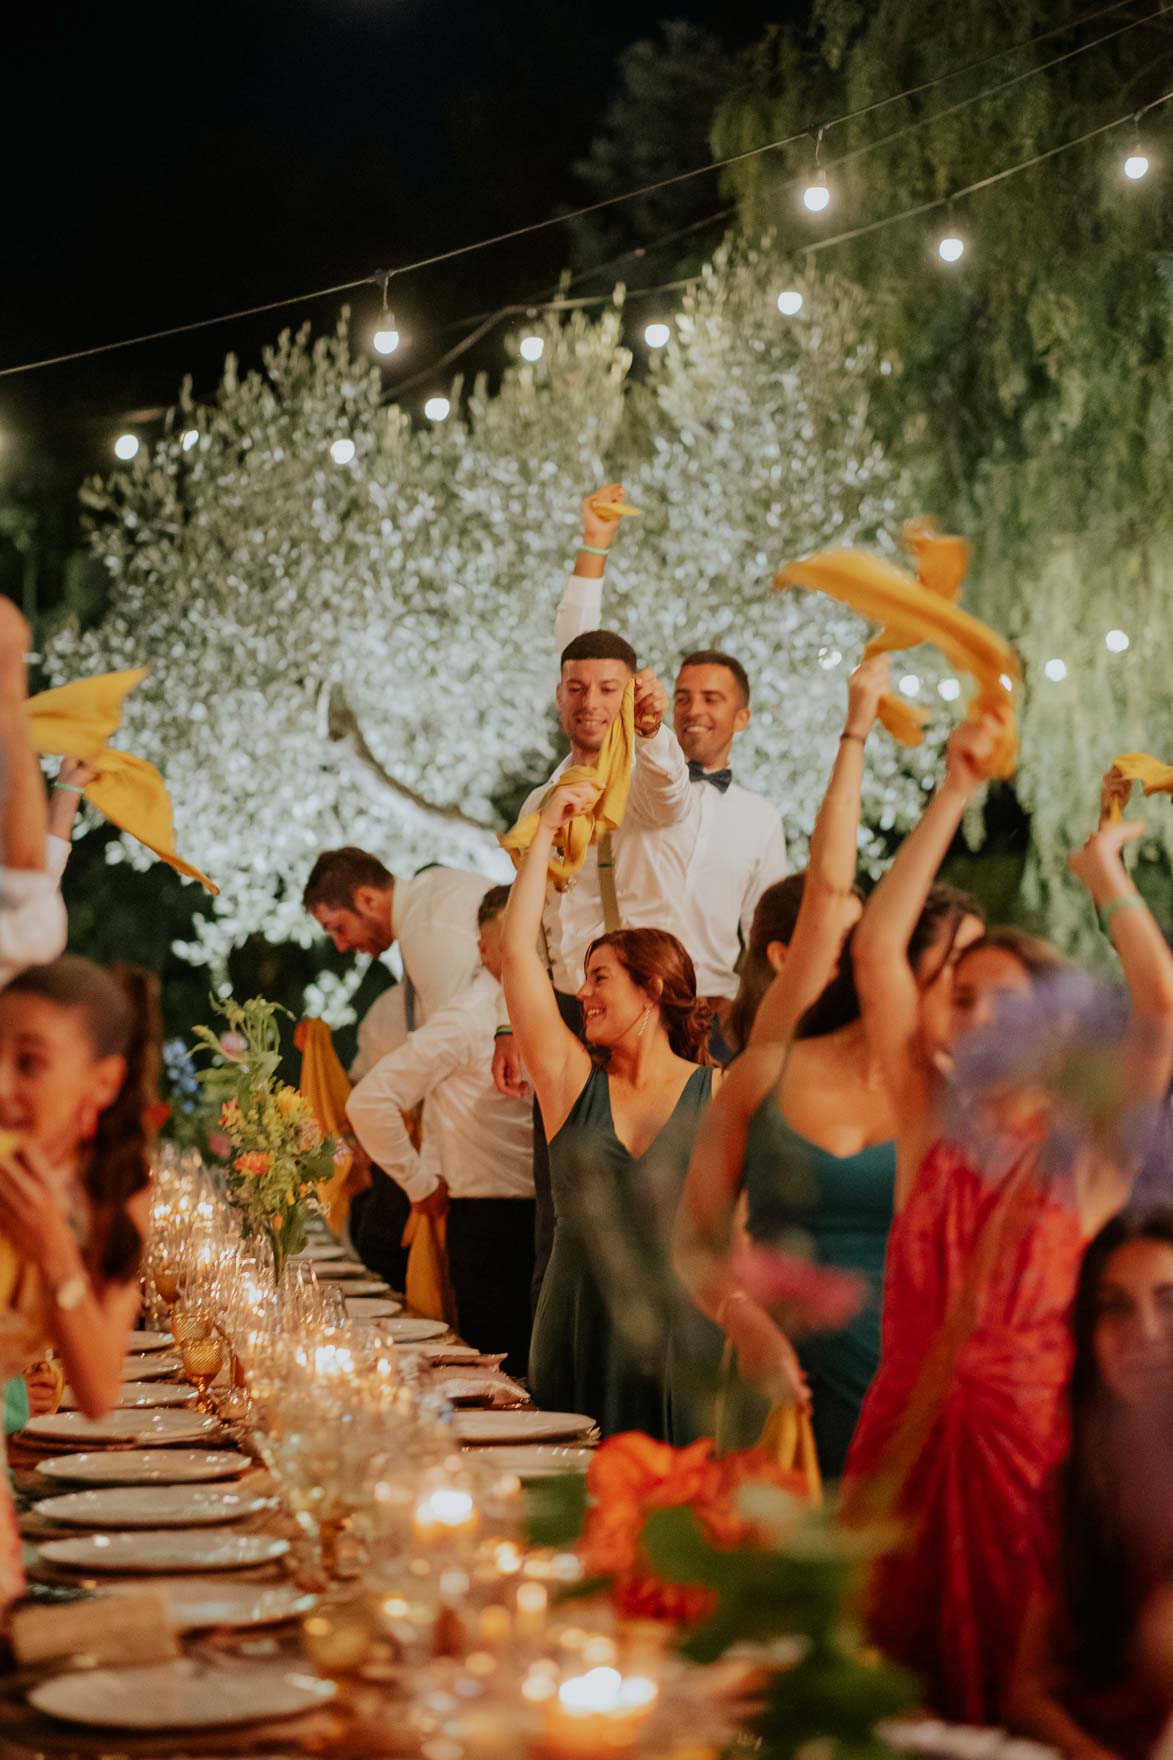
(720, 779)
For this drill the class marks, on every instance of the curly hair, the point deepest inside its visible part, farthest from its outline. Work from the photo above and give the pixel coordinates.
(120, 1009)
(647, 955)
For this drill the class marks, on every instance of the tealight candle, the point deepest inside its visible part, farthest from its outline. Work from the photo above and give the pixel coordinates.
(533, 1600)
(598, 1713)
(445, 1513)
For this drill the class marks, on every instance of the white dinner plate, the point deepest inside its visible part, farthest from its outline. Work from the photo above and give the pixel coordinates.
(525, 1426)
(129, 1426)
(190, 1693)
(146, 1466)
(139, 1395)
(150, 1341)
(365, 1286)
(541, 1460)
(150, 1368)
(201, 1602)
(324, 1250)
(383, 1308)
(152, 1506)
(330, 1269)
(165, 1549)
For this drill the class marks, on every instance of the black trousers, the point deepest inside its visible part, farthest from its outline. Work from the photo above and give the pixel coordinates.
(570, 1008)
(378, 1232)
(491, 1264)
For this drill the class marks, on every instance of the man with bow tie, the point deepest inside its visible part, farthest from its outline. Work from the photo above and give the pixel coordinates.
(739, 847)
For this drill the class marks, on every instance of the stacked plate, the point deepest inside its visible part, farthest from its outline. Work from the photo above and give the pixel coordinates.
(145, 1466)
(165, 1549)
(133, 1426)
(192, 1693)
(480, 1429)
(151, 1506)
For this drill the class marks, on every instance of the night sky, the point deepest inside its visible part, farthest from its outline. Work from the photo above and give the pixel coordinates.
(165, 164)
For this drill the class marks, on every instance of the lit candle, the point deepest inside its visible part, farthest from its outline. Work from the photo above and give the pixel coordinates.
(598, 1713)
(532, 1602)
(445, 1514)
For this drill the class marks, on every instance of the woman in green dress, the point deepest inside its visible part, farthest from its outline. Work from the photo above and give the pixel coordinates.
(620, 1115)
(805, 1124)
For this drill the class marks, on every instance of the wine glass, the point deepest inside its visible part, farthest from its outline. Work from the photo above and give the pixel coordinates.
(203, 1358)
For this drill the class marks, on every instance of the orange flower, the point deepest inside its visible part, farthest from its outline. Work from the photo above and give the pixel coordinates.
(256, 1162)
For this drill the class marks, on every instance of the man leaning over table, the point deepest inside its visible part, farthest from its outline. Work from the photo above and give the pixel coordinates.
(476, 1163)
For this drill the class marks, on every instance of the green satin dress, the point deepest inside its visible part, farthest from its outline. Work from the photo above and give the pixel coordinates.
(839, 1210)
(601, 1335)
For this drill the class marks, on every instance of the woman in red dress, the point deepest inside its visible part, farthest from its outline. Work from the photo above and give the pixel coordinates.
(965, 1421)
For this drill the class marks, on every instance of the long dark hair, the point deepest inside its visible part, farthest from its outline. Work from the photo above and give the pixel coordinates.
(775, 919)
(647, 954)
(1110, 1488)
(120, 1009)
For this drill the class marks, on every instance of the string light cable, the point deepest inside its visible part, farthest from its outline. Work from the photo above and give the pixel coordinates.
(607, 202)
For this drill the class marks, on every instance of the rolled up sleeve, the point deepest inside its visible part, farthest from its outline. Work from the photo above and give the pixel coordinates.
(33, 924)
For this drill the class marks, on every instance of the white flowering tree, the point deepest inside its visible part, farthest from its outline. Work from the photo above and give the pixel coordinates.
(362, 651)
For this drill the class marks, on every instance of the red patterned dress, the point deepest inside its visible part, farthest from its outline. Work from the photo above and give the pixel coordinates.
(966, 1421)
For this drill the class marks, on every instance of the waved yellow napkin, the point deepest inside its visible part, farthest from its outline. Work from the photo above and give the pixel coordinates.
(326, 1086)
(789, 1441)
(75, 721)
(612, 772)
(1130, 767)
(913, 609)
(429, 1288)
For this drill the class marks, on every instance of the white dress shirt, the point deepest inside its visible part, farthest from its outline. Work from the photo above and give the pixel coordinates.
(651, 850)
(479, 1142)
(33, 925)
(739, 849)
(383, 1029)
(434, 920)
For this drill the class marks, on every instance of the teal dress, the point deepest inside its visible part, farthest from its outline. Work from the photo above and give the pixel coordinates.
(601, 1333)
(841, 1209)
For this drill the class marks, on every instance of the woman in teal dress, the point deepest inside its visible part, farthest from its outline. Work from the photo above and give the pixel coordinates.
(804, 1126)
(620, 1115)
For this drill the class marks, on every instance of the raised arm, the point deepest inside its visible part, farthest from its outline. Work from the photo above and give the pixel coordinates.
(661, 792)
(703, 1236)
(558, 1064)
(1143, 951)
(23, 816)
(887, 987)
(824, 916)
(581, 608)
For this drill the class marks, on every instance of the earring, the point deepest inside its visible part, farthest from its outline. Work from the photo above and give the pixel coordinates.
(643, 1021)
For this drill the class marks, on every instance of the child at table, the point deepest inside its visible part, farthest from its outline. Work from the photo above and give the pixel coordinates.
(78, 1055)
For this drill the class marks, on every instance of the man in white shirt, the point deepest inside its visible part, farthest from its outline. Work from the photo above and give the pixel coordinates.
(740, 846)
(476, 1162)
(32, 916)
(363, 908)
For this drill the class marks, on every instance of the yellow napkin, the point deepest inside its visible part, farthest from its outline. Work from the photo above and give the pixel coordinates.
(429, 1288)
(790, 1443)
(326, 1086)
(913, 609)
(75, 721)
(612, 772)
(1156, 778)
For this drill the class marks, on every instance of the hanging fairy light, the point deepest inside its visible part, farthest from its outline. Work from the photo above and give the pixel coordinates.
(189, 438)
(909, 685)
(386, 336)
(816, 197)
(657, 335)
(949, 690)
(1056, 671)
(950, 248)
(790, 303)
(1116, 641)
(531, 348)
(1136, 164)
(342, 450)
(126, 447)
(437, 409)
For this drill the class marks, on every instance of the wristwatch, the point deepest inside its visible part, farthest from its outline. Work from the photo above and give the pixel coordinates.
(72, 1292)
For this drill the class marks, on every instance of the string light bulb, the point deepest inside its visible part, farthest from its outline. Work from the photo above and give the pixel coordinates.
(657, 335)
(342, 450)
(386, 336)
(1056, 671)
(1116, 641)
(816, 197)
(950, 249)
(126, 447)
(1135, 166)
(437, 409)
(949, 690)
(189, 438)
(790, 303)
(909, 685)
(532, 348)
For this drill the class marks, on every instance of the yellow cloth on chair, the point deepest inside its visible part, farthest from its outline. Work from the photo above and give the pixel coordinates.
(612, 772)
(76, 721)
(429, 1288)
(326, 1086)
(1155, 777)
(914, 609)
(789, 1440)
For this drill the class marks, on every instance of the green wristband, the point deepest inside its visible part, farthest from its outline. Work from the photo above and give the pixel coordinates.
(592, 550)
(502, 1032)
(1127, 902)
(68, 788)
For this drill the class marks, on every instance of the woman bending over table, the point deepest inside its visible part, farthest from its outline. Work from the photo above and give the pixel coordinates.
(620, 1114)
(79, 1051)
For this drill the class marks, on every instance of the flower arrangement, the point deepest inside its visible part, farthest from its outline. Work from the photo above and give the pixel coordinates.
(727, 1552)
(278, 1157)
